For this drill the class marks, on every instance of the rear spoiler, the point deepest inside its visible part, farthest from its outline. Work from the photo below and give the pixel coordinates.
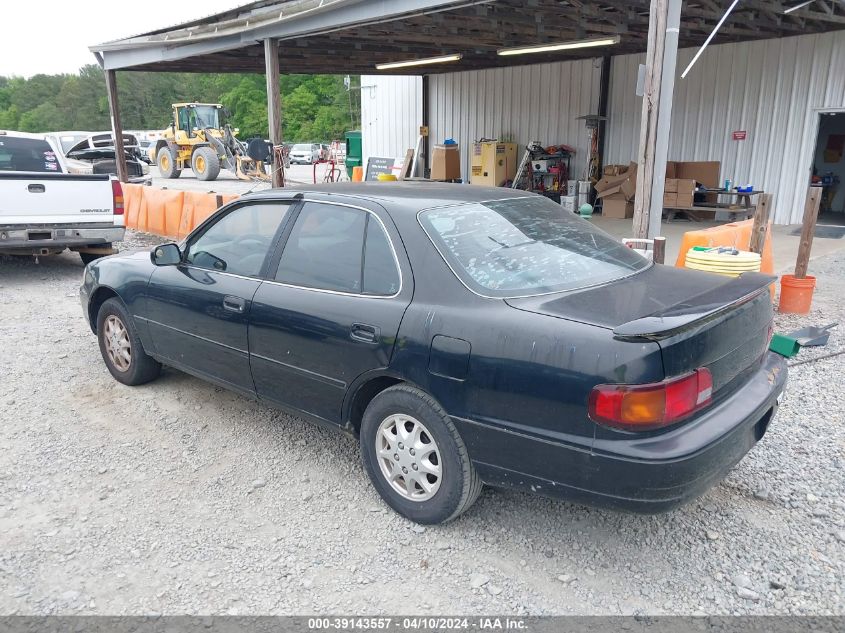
(695, 310)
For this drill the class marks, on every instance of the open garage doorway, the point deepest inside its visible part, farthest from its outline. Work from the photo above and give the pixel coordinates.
(828, 168)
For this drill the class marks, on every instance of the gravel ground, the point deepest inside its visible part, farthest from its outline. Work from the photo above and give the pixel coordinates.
(179, 497)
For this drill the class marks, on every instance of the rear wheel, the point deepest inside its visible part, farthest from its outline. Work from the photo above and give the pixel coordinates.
(415, 457)
(166, 162)
(121, 347)
(205, 164)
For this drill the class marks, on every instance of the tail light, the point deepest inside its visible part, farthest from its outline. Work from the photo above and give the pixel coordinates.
(651, 406)
(117, 197)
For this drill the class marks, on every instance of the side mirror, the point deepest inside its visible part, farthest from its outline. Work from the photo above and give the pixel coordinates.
(166, 255)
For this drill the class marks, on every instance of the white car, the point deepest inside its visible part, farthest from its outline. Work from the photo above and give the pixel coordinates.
(45, 209)
(305, 153)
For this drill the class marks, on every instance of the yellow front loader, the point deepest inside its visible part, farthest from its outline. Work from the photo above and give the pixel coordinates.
(198, 138)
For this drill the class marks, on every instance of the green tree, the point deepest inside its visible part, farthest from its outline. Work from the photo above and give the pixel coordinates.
(314, 107)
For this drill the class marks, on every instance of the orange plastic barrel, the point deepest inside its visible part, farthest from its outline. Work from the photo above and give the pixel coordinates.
(796, 295)
(357, 173)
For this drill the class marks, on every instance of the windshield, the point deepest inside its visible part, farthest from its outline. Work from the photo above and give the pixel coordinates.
(301, 147)
(525, 246)
(206, 116)
(27, 154)
(69, 140)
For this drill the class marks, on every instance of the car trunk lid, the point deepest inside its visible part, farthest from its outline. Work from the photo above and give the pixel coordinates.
(697, 319)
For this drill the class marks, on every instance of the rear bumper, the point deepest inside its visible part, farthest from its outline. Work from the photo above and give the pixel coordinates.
(639, 474)
(35, 238)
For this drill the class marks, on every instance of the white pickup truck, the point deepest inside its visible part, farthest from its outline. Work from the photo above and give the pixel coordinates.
(45, 210)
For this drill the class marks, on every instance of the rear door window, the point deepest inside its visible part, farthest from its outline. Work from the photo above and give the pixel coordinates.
(27, 154)
(337, 248)
(525, 246)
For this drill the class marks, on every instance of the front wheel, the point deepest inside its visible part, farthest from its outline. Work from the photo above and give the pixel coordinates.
(121, 347)
(415, 457)
(206, 164)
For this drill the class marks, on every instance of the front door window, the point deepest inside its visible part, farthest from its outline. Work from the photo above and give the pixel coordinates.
(238, 243)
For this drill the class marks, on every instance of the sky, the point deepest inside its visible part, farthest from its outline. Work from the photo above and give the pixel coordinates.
(53, 36)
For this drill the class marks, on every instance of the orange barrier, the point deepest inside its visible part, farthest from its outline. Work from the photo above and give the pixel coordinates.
(163, 211)
(168, 212)
(132, 203)
(195, 209)
(736, 234)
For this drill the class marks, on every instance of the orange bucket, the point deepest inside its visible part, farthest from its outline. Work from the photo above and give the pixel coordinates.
(357, 174)
(796, 295)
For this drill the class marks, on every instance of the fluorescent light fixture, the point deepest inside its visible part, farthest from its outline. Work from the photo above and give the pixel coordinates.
(420, 62)
(799, 6)
(563, 46)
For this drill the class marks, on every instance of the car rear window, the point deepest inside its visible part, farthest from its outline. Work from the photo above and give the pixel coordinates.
(525, 246)
(27, 154)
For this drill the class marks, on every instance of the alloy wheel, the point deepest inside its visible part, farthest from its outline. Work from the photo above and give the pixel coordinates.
(118, 346)
(408, 457)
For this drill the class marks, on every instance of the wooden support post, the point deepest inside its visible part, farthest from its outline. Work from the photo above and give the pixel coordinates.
(808, 230)
(761, 223)
(658, 90)
(218, 200)
(274, 104)
(116, 127)
(658, 253)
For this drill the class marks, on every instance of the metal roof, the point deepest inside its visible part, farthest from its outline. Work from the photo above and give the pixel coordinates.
(352, 36)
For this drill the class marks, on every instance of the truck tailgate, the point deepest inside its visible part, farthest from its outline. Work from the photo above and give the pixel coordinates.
(55, 198)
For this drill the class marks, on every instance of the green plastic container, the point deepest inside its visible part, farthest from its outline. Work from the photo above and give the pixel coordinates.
(354, 151)
(784, 345)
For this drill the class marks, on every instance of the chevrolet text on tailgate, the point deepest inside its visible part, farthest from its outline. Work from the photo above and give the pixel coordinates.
(45, 210)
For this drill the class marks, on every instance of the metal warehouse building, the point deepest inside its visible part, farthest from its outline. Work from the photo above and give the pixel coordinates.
(773, 89)
(762, 99)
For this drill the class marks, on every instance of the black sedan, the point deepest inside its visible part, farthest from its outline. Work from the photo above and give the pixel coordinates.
(466, 335)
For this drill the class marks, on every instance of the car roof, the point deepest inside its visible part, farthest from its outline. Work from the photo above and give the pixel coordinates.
(410, 195)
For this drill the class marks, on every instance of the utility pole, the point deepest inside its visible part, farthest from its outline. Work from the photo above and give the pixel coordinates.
(659, 87)
(116, 127)
(274, 105)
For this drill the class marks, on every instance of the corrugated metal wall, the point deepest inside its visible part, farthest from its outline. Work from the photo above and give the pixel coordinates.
(520, 104)
(391, 114)
(773, 89)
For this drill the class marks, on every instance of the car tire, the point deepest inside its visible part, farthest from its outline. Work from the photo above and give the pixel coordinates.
(205, 163)
(166, 162)
(433, 450)
(116, 331)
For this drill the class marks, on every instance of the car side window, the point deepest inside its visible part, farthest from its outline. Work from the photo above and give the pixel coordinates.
(381, 277)
(325, 248)
(339, 248)
(238, 242)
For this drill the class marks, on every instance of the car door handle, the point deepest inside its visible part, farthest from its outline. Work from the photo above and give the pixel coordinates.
(364, 333)
(233, 304)
(36, 188)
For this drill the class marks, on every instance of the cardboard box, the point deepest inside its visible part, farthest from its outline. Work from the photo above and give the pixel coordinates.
(684, 199)
(446, 162)
(617, 207)
(684, 186)
(671, 169)
(614, 170)
(671, 185)
(569, 203)
(670, 199)
(610, 182)
(705, 172)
